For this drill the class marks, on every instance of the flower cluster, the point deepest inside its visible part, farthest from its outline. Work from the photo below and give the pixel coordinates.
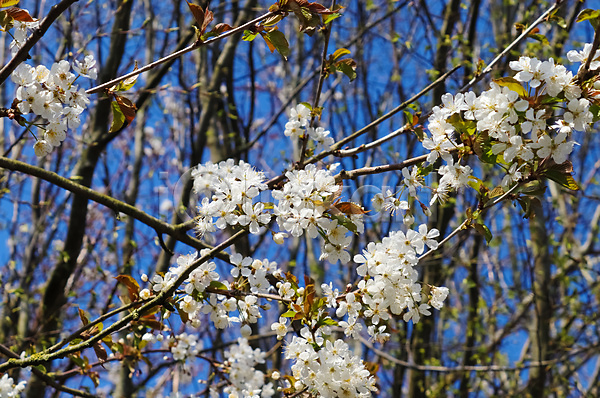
(305, 205)
(8, 389)
(583, 55)
(299, 125)
(194, 301)
(331, 370)
(390, 280)
(232, 188)
(391, 202)
(517, 123)
(184, 346)
(244, 379)
(52, 95)
(20, 32)
(514, 116)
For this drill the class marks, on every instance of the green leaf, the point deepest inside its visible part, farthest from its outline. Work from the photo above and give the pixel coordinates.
(326, 321)
(560, 21)
(475, 183)
(347, 67)
(528, 204)
(78, 361)
(249, 35)
(346, 223)
(340, 52)
(118, 117)
(331, 17)
(539, 37)
(289, 314)
(41, 368)
(588, 15)
(564, 180)
(562, 174)
(483, 149)
(123, 113)
(6, 21)
(546, 99)
(534, 188)
(513, 84)
(306, 104)
(424, 171)
(498, 191)
(126, 84)
(595, 109)
(8, 3)
(279, 41)
(483, 230)
(217, 285)
(419, 133)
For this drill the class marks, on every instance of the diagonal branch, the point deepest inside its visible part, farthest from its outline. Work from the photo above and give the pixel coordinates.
(161, 227)
(47, 355)
(23, 53)
(197, 44)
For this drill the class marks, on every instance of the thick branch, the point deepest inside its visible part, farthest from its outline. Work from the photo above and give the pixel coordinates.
(46, 355)
(161, 227)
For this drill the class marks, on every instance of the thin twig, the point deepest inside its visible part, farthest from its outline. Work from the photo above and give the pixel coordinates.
(335, 149)
(342, 153)
(476, 368)
(91, 324)
(465, 223)
(352, 174)
(191, 47)
(317, 99)
(523, 35)
(46, 356)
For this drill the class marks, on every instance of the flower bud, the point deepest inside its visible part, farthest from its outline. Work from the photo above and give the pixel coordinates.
(279, 237)
(246, 331)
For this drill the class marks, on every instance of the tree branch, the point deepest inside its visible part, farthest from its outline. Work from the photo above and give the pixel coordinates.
(161, 227)
(177, 54)
(23, 53)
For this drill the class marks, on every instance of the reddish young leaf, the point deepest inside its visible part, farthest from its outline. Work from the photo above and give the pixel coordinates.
(132, 286)
(208, 17)
(83, 317)
(151, 322)
(318, 8)
(203, 17)
(100, 351)
(19, 14)
(268, 41)
(350, 208)
(222, 27)
(127, 107)
(197, 12)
